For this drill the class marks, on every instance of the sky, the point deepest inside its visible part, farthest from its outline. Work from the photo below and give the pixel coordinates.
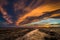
(19, 12)
(49, 20)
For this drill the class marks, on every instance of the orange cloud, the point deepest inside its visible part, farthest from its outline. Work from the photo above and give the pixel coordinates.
(39, 11)
(55, 15)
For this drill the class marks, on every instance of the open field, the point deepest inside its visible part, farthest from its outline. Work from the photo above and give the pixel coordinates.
(20, 33)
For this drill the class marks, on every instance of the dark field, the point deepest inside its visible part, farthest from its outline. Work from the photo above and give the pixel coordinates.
(34, 34)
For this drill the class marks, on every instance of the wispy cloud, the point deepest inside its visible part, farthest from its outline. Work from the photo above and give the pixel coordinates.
(4, 12)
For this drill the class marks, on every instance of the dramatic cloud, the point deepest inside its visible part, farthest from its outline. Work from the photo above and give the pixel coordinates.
(46, 15)
(21, 12)
(48, 6)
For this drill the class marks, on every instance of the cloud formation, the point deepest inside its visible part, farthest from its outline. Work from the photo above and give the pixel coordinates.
(48, 6)
(4, 12)
(20, 12)
(46, 15)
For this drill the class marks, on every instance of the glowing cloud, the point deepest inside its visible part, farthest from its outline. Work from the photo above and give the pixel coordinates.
(39, 11)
